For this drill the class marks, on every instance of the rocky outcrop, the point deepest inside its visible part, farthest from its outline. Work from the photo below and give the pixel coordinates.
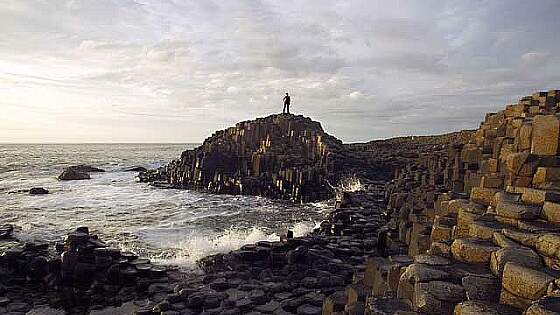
(477, 220)
(70, 174)
(288, 157)
(78, 172)
(38, 191)
(280, 156)
(79, 275)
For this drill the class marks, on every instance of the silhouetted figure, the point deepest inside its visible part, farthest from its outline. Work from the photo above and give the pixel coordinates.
(286, 109)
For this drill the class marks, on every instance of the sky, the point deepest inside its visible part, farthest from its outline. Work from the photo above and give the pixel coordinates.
(177, 70)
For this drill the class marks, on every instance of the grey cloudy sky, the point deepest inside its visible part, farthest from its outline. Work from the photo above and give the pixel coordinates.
(176, 70)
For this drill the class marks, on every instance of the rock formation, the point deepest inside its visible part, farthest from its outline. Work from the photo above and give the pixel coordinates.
(78, 172)
(280, 156)
(478, 222)
(38, 191)
(80, 274)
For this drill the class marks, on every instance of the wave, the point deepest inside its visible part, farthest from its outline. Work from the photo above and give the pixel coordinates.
(185, 254)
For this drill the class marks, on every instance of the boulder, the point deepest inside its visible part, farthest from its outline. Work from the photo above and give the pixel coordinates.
(517, 210)
(544, 140)
(483, 308)
(481, 287)
(38, 191)
(503, 241)
(548, 305)
(546, 175)
(71, 174)
(135, 169)
(525, 282)
(483, 196)
(484, 229)
(510, 299)
(522, 237)
(86, 169)
(522, 256)
(548, 245)
(551, 212)
(437, 297)
(472, 251)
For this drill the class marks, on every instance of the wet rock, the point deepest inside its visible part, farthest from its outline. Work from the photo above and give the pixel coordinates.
(135, 169)
(6, 231)
(78, 172)
(307, 309)
(38, 191)
(70, 174)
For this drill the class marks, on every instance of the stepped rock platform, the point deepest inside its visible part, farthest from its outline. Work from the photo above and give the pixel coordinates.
(473, 228)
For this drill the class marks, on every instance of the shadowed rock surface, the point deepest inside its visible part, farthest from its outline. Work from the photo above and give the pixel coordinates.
(287, 157)
(280, 156)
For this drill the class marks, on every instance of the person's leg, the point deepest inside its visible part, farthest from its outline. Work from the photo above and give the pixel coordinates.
(284, 109)
(288, 108)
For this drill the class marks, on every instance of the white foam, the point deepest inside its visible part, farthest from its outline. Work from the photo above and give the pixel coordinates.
(188, 252)
(351, 184)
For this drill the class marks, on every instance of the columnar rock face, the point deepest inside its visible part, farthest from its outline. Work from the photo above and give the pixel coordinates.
(279, 156)
(480, 220)
(79, 275)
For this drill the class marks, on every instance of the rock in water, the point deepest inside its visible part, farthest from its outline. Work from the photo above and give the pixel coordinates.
(86, 169)
(78, 172)
(71, 174)
(135, 169)
(279, 156)
(38, 191)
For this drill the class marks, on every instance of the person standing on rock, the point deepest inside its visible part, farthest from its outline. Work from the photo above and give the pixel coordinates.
(286, 109)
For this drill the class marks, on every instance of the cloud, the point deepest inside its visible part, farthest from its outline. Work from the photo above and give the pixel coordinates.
(535, 58)
(178, 70)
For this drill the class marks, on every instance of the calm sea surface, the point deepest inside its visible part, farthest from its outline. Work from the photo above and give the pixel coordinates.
(170, 226)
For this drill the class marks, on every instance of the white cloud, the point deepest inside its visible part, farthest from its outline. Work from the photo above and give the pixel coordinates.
(185, 68)
(535, 58)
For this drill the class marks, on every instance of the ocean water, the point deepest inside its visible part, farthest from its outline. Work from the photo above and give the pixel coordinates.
(170, 226)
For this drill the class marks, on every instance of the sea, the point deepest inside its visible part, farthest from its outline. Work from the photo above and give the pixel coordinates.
(169, 226)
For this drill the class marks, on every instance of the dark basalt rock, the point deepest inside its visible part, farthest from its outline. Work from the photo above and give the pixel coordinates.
(279, 156)
(78, 172)
(81, 275)
(135, 169)
(38, 191)
(71, 174)
(86, 169)
(6, 231)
